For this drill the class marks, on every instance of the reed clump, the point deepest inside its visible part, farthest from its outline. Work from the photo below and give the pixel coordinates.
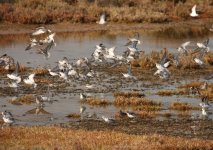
(145, 114)
(147, 108)
(25, 99)
(134, 101)
(182, 106)
(40, 71)
(73, 115)
(95, 101)
(172, 92)
(128, 94)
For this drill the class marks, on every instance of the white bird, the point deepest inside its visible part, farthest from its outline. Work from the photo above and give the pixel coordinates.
(130, 114)
(110, 53)
(82, 96)
(13, 84)
(107, 120)
(204, 86)
(52, 73)
(15, 76)
(63, 75)
(162, 71)
(133, 41)
(82, 109)
(204, 45)
(193, 12)
(8, 117)
(182, 48)
(41, 30)
(198, 61)
(205, 103)
(102, 19)
(46, 97)
(129, 74)
(204, 112)
(33, 44)
(30, 80)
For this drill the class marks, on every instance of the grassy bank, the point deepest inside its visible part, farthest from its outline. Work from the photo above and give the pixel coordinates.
(88, 11)
(61, 138)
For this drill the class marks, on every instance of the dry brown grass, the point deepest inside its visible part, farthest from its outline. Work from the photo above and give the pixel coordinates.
(182, 106)
(40, 71)
(172, 92)
(147, 108)
(57, 11)
(134, 101)
(25, 99)
(62, 138)
(145, 114)
(95, 101)
(128, 94)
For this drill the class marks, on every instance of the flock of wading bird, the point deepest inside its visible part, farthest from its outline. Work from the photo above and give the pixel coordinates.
(42, 39)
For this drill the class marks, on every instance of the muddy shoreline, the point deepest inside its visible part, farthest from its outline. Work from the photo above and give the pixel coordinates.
(8, 28)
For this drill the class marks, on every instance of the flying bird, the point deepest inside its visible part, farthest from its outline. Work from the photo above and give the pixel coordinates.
(193, 12)
(102, 20)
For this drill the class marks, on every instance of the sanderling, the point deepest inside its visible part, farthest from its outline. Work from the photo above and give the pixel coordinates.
(129, 74)
(130, 114)
(205, 103)
(82, 109)
(64, 75)
(33, 44)
(8, 117)
(30, 80)
(83, 96)
(182, 48)
(15, 76)
(204, 112)
(107, 120)
(41, 30)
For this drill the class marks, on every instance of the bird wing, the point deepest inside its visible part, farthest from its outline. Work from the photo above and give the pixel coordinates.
(163, 59)
(159, 66)
(103, 17)
(111, 51)
(51, 36)
(206, 42)
(17, 68)
(194, 9)
(166, 64)
(185, 44)
(39, 31)
(31, 76)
